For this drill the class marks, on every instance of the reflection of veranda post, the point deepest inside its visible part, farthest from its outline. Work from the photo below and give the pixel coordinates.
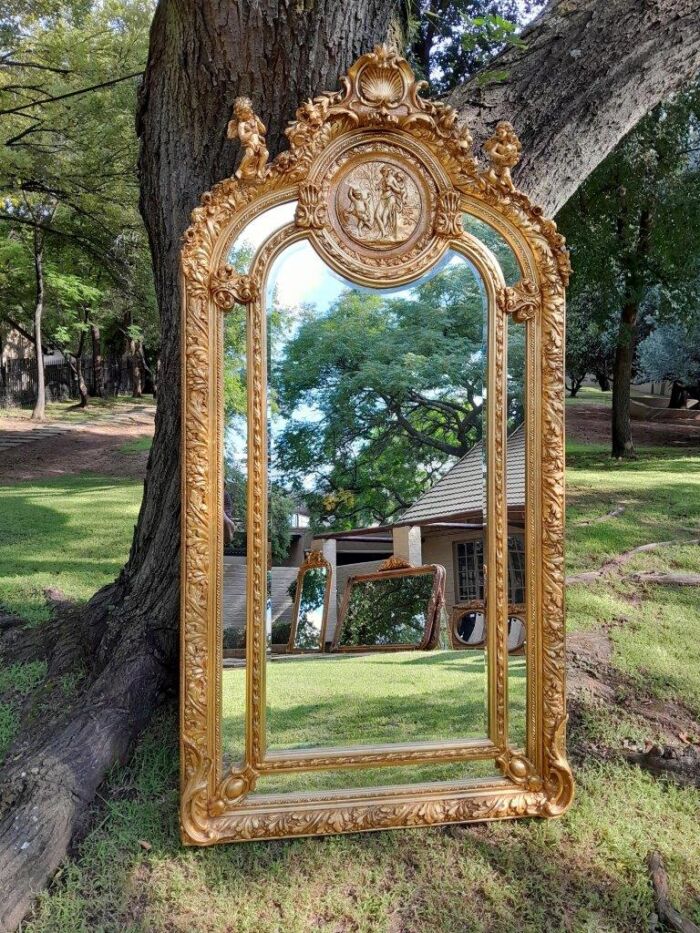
(250, 130)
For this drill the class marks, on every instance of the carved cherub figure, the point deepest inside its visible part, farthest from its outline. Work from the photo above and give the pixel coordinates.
(360, 208)
(250, 130)
(503, 152)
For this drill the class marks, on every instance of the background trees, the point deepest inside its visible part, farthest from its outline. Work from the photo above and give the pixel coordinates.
(68, 185)
(633, 228)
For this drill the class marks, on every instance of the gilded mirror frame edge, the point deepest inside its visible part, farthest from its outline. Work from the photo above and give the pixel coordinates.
(537, 301)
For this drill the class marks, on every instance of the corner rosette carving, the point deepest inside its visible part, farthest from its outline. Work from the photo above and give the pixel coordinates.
(522, 301)
(312, 212)
(520, 770)
(448, 215)
(234, 786)
(229, 287)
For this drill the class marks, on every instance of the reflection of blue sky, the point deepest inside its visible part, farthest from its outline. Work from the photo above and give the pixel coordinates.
(263, 226)
(299, 280)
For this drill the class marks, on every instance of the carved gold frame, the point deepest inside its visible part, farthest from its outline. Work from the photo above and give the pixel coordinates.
(314, 560)
(378, 109)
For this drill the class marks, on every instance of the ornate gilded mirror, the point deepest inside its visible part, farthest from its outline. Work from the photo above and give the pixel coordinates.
(372, 450)
(312, 592)
(397, 608)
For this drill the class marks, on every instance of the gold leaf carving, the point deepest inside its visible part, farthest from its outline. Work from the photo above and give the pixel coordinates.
(376, 114)
(228, 288)
(312, 212)
(522, 301)
(503, 152)
(448, 215)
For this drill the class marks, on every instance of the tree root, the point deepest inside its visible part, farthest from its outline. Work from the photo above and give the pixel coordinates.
(62, 753)
(614, 513)
(682, 765)
(610, 566)
(665, 910)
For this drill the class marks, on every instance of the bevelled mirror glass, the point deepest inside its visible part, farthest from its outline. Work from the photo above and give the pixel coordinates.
(372, 592)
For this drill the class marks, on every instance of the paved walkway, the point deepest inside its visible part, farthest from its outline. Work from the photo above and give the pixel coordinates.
(14, 437)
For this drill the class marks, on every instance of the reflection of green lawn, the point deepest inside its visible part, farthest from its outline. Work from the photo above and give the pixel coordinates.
(381, 698)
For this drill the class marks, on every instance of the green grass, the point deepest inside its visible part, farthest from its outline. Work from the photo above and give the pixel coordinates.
(585, 872)
(16, 681)
(137, 446)
(591, 395)
(403, 697)
(96, 410)
(71, 533)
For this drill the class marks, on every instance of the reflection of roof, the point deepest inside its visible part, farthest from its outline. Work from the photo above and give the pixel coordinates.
(461, 489)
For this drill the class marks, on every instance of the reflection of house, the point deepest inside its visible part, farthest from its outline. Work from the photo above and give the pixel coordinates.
(444, 526)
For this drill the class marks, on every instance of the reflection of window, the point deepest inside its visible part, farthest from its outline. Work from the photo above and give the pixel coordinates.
(516, 569)
(470, 569)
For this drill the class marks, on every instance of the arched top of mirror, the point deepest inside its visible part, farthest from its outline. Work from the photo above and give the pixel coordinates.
(382, 178)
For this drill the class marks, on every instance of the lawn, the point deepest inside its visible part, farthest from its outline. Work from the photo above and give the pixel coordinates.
(98, 409)
(71, 534)
(585, 872)
(399, 697)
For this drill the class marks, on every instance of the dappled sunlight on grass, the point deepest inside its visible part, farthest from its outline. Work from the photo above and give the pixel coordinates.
(71, 533)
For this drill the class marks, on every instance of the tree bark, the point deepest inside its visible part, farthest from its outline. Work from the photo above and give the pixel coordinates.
(39, 412)
(135, 353)
(98, 372)
(622, 445)
(589, 72)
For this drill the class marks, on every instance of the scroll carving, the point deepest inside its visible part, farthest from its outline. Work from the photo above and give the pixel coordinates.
(228, 288)
(522, 301)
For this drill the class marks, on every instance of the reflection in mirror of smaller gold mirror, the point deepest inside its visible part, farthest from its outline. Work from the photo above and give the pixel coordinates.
(308, 781)
(256, 232)
(400, 608)
(515, 483)
(498, 245)
(310, 609)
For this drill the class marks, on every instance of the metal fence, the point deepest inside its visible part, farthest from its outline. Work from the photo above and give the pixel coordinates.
(18, 380)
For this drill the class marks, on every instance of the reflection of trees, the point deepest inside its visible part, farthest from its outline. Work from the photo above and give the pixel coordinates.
(395, 386)
(386, 612)
(313, 595)
(280, 510)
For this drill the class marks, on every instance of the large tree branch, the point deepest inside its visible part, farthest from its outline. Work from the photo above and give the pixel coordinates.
(590, 71)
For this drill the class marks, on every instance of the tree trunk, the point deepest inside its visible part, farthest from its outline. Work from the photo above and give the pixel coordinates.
(622, 445)
(135, 353)
(603, 380)
(98, 372)
(39, 412)
(589, 72)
